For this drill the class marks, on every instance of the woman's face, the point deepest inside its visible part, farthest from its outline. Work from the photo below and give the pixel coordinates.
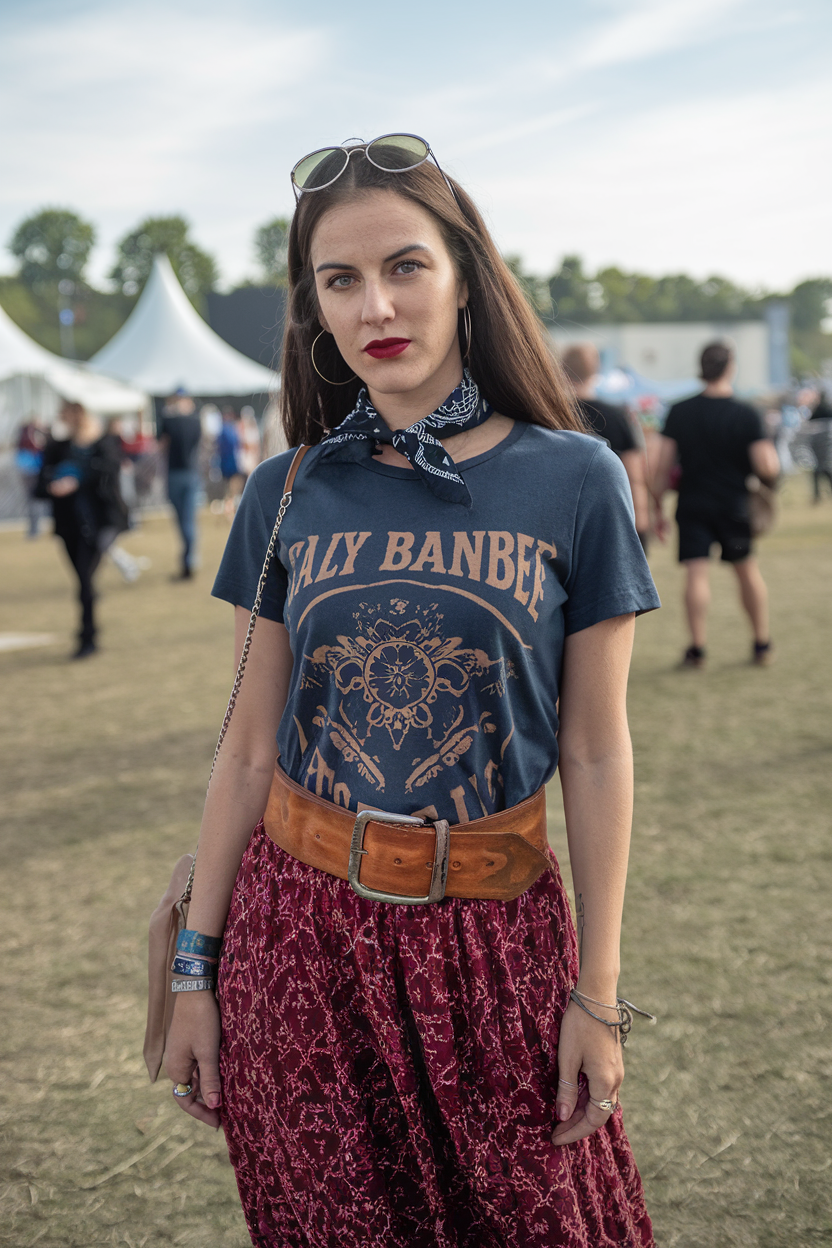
(389, 294)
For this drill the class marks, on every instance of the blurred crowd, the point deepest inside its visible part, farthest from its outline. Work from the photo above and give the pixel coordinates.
(97, 477)
(230, 446)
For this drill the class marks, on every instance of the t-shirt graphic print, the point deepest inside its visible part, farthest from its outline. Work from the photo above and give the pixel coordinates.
(428, 638)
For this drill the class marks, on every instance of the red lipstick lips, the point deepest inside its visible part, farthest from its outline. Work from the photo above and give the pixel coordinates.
(386, 348)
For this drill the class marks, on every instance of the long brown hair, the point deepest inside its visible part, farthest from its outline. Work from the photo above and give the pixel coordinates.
(510, 357)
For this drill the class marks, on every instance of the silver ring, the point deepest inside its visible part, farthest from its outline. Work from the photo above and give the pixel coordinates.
(183, 1089)
(606, 1104)
(568, 1084)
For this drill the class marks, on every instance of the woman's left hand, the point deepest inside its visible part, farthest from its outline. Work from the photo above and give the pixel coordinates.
(586, 1047)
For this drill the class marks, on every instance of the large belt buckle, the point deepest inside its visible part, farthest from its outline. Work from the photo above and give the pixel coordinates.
(439, 872)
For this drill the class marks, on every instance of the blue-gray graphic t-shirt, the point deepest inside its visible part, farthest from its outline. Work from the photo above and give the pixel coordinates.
(427, 637)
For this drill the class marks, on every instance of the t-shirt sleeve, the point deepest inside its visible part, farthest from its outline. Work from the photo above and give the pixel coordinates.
(608, 573)
(242, 561)
(753, 426)
(621, 432)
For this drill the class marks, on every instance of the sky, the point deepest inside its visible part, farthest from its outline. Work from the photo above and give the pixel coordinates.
(672, 136)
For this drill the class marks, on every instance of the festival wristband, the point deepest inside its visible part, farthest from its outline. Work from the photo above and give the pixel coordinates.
(189, 941)
(193, 966)
(192, 985)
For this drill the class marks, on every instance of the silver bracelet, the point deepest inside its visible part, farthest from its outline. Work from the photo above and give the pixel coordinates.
(192, 985)
(623, 1008)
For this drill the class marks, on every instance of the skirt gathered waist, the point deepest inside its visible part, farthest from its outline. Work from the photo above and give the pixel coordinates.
(389, 1072)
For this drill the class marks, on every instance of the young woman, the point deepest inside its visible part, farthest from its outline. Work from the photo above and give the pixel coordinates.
(450, 611)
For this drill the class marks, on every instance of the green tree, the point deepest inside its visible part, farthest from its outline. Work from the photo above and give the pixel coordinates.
(196, 270)
(536, 289)
(810, 303)
(575, 297)
(52, 245)
(271, 246)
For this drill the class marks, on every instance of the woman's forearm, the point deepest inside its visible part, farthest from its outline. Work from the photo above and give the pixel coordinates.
(598, 804)
(235, 802)
(239, 788)
(596, 772)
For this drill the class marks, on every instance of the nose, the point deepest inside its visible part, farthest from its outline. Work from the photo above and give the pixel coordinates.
(378, 306)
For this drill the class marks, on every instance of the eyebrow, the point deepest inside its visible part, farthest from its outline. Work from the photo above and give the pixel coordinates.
(334, 264)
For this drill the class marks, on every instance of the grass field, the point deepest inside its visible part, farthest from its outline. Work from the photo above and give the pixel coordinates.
(726, 936)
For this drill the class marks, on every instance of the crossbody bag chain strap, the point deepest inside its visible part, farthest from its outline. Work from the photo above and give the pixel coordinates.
(241, 666)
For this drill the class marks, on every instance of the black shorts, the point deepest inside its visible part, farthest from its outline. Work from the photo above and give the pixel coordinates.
(700, 527)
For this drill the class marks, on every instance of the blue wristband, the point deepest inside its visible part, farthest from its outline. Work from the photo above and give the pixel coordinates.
(192, 966)
(189, 941)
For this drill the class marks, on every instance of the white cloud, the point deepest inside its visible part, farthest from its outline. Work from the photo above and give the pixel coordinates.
(134, 111)
(730, 185)
(652, 29)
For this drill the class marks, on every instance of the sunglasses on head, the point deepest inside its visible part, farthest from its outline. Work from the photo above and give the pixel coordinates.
(393, 153)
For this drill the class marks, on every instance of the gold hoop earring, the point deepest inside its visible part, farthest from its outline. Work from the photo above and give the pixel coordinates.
(466, 316)
(318, 371)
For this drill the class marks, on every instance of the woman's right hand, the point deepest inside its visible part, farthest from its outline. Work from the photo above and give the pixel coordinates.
(192, 1055)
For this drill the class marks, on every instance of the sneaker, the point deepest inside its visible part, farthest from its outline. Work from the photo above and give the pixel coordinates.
(762, 653)
(84, 650)
(694, 656)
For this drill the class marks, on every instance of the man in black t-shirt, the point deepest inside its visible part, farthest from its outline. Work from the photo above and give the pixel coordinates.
(179, 431)
(717, 442)
(582, 364)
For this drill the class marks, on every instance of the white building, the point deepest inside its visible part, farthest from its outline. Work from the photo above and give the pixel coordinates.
(669, 351)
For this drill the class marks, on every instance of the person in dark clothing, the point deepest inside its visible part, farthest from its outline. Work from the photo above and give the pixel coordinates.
(80, 474)
(820, 442)
(179, 432)
(718, 442)
(582, 364)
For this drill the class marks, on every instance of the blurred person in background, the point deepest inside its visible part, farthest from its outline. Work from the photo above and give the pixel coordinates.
(228, 451)
(249, 454)
(141, 452)
(582, 365)
(717, 442)
(80, 475)
(820, 444)
(31, 440)
(179, 432)
(122, 429)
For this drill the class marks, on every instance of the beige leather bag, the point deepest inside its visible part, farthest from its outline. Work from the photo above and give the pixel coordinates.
(171, 914)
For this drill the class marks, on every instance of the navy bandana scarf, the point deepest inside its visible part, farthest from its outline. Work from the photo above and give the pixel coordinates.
(465, 408)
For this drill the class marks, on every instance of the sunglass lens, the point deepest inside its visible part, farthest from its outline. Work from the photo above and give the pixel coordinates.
(319, 168)
(398, 151)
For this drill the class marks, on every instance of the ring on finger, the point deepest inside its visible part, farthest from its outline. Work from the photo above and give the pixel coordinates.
(606, 1104)
(568, 1084)
(183, 1089)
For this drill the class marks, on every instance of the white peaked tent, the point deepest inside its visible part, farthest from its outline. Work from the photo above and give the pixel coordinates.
(33, 379)
(165, 344)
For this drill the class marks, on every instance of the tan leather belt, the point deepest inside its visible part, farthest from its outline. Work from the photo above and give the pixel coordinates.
(408, 860)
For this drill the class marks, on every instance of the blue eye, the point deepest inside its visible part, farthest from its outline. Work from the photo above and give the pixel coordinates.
(340, 281)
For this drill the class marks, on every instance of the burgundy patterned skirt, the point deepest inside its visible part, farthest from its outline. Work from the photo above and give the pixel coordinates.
(389, 1072)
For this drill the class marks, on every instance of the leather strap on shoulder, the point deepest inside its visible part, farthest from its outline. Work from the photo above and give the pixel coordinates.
(293, 468)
